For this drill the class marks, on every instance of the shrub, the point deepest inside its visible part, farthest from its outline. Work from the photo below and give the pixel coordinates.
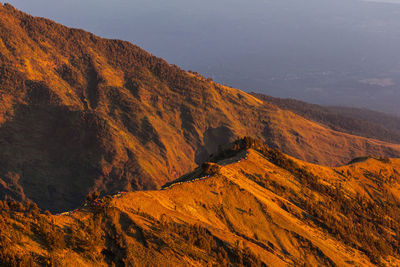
(210, 168)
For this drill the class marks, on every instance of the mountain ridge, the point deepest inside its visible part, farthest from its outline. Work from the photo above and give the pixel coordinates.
(80, 113)
(357, 121)
(260, 207)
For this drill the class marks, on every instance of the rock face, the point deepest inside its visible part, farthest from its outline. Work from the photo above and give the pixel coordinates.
(81, 113)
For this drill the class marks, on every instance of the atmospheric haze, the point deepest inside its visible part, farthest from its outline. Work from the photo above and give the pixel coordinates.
(331, 52)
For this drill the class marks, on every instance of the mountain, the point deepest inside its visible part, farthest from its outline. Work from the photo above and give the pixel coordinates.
(252, 206)
(388, 121)
(357, 121)
(79, 114)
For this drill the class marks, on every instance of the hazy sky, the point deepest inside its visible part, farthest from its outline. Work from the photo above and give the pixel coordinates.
(385, 1)
(322, 51)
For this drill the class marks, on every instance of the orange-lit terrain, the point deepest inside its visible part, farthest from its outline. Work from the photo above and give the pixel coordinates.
(81, 114)
(257, 207)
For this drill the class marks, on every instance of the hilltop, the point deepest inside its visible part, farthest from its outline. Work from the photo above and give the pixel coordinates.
(357, 121)
(255, 206)
(80, 113)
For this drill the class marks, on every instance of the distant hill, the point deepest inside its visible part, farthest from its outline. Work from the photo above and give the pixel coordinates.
(357, 121)
(388, 121)
(253, 206)
(79, 113)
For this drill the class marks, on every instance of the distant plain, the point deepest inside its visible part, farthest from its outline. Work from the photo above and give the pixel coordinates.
(342, 52)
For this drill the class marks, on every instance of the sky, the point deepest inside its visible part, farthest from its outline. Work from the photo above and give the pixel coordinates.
(331, 52)
(385, 1)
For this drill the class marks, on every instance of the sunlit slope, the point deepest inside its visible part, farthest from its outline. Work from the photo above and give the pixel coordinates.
(356, 121)
(296, 136)
(256, 207)
(80, 113)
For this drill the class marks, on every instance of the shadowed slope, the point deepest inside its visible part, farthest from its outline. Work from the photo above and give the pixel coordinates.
(80, 113)
(357, 121)
(259, 206)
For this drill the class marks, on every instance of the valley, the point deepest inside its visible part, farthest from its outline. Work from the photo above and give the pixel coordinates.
(111, 156)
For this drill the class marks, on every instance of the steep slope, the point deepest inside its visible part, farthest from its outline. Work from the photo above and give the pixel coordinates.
(357, 121)
(80, 113)
(256, 206)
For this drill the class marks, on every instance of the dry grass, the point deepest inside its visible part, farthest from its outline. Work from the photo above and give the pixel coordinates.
(268, 208)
